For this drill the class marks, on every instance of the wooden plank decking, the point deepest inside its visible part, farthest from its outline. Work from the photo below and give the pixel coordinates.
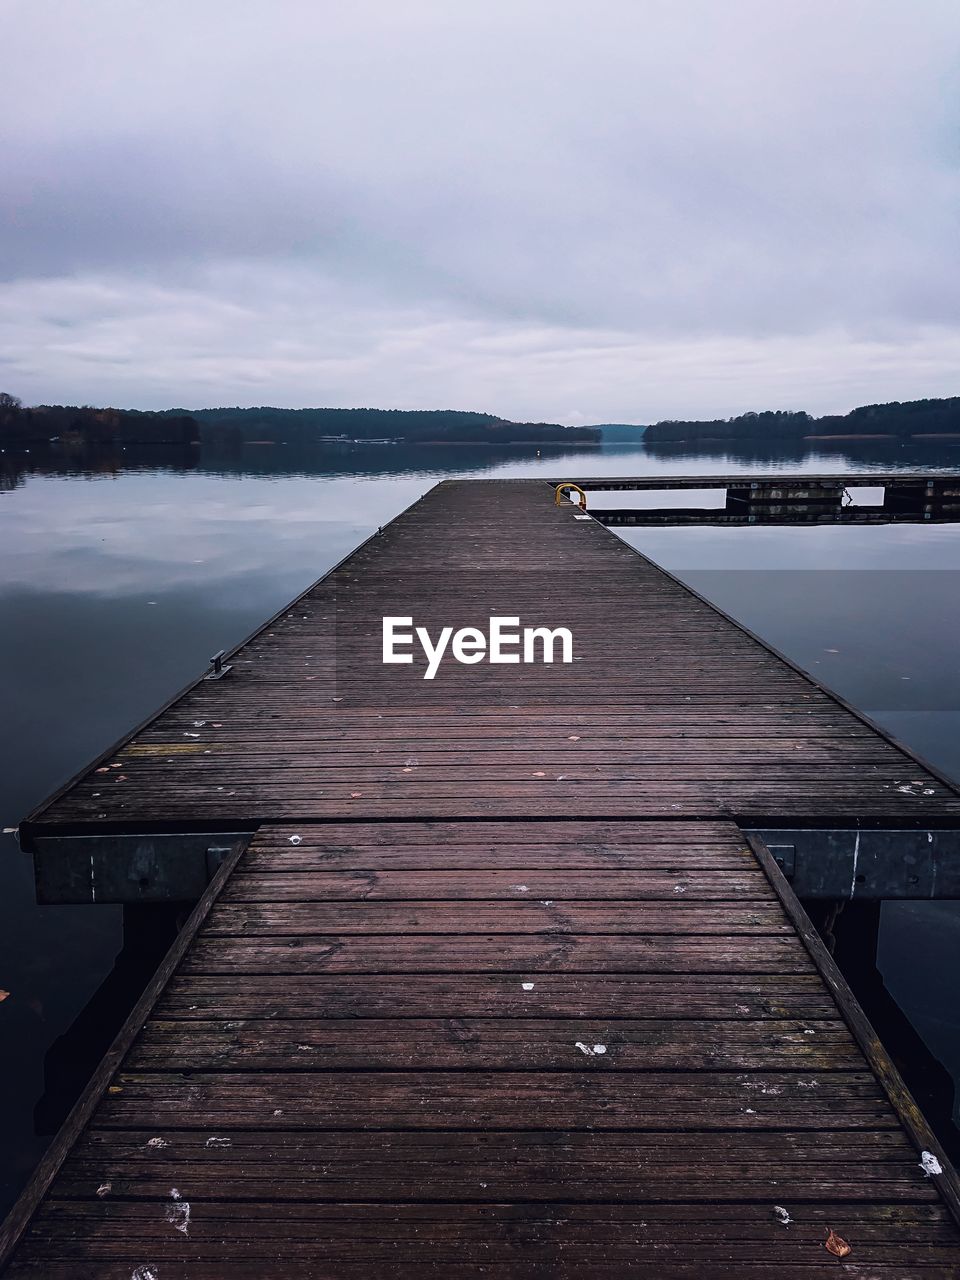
(499, 988)
(669, 709)
(507, 1049)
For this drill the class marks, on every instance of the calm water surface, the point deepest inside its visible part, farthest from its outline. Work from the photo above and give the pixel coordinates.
(120, 576)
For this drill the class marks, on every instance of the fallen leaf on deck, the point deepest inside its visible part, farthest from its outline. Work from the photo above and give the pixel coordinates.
(836, 1245)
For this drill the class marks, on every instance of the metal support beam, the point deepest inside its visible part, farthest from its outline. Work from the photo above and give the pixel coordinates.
(130, 868)
(867, 865)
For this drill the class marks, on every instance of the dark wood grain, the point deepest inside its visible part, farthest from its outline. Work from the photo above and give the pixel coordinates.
(735, 997)
(532, 953)
(633, 1098)
(677, 916)
(638, 1101)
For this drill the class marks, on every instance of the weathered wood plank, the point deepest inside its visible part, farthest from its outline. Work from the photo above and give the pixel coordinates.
(531, 953)
(672, 1102)
(677, 917)
(287, 857)
(491, 1166)
(197, 998)
(428, 1044)
(441, 885)
(485, 1233)
(387, 1269)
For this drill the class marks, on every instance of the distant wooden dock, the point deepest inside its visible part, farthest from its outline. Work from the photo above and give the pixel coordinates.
(803, 498)
(499, 987)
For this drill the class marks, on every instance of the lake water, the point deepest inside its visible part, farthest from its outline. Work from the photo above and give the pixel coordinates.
(120, 576)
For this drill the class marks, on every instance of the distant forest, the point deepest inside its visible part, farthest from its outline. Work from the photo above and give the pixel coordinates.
(232, 427)
(83, 424)
(408, 425)
(910, 418)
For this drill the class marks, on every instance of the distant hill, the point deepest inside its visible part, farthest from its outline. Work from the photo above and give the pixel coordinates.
(904, 420)
(87, 425)
(233, 426)
(450, 426)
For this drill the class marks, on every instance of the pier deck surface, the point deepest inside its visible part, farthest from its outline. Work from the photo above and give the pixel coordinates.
(668, 710)
(498, 989)
(499, 1050)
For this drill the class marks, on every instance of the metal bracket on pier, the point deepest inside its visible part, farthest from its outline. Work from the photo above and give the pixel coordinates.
(218, 670)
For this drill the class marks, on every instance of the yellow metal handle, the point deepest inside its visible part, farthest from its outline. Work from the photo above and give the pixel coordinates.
(561, 488)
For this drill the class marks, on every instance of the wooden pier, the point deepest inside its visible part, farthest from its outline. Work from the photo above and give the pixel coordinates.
(905, 498)
(499, 987)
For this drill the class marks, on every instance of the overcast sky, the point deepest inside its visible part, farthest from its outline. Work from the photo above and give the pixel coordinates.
(568, 210)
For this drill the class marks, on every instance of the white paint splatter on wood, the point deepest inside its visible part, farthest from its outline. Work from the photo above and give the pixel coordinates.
(178, 1213)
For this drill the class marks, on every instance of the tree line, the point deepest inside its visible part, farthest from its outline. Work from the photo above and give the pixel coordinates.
(900, 419)
(19, 425)
(84, 424)
(413, 425)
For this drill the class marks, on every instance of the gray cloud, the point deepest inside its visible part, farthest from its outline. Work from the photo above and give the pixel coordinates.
(624, 209)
